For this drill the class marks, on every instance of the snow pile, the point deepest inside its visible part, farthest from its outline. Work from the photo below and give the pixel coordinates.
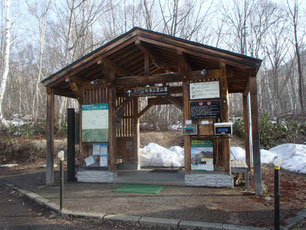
(237, 153)
(293, 156)
(156, 155)
(8, 165)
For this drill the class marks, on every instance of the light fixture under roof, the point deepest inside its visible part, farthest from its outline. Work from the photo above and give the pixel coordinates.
(203, 72)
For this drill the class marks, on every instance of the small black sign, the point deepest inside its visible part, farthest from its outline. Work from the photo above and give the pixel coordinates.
(148, 91)
(205, 109)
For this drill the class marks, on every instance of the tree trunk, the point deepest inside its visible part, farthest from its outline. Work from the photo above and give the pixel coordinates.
(6, 59)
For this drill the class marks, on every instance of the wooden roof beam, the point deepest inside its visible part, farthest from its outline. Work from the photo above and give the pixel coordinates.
(243, 64)
(158, 62)
(114, 67)
(164, 78)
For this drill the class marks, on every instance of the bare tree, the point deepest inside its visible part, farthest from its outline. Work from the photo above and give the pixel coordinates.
(294, 20)
(6, 59)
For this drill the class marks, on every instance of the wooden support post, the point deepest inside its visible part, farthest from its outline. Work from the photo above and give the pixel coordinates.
(184, 69)
(50, 137)
(255, 136)
(187, 138)
(136, 128)
(112, 121)
(225, 116)
(112, 128)
(246, 130)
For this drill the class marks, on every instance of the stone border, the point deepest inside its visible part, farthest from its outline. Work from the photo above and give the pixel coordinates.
(145, 221)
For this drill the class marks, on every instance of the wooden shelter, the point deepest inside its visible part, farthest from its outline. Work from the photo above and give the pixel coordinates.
(147, 60)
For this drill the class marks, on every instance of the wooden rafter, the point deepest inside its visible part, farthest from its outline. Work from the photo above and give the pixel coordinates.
(163, 78)
(114, 67)
(157, 61)
(243, 64)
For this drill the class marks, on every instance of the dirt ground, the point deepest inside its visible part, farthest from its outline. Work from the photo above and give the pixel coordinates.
(237, 205)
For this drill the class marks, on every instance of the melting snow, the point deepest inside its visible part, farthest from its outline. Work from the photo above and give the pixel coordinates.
(293, 155)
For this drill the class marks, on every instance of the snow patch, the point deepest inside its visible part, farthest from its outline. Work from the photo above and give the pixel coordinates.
(8, 165)
(293, 156)
(156, 155)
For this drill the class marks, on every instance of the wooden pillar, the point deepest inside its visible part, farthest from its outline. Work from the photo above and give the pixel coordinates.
(187, 138)
(246, 130)
(255, 136)
(112, 128)
(225, 116)
(50, 137)
(81, 145)
(136, 132)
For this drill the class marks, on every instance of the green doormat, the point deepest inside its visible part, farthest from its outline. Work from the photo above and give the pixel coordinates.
(138, 188)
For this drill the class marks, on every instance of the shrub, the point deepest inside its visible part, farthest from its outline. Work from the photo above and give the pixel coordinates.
(275, 133)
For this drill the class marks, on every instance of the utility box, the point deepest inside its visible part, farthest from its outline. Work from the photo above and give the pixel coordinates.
(223, 128)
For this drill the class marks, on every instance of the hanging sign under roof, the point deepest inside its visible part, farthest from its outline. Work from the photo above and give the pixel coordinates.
(204, 90)
(148, 91)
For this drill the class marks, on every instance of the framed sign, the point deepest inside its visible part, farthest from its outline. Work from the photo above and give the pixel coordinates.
(95, 123)
(148, 91)
(202, 155)
(204, 90)
(205, 109)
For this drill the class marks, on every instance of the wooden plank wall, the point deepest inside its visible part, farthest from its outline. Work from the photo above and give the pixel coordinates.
(125, 131)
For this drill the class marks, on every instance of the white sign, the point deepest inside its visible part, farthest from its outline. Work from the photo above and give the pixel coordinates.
(95, 123)
(204, 90)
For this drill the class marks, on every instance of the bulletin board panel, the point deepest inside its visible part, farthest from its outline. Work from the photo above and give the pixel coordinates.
(95, 123)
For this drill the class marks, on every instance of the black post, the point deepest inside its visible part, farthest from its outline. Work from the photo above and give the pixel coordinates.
(71, 145)
(276, 199)
(61, 183)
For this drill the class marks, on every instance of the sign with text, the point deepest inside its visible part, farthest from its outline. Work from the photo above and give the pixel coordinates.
(95, 123)
(205, 109)
(148, 91)
(204, 90)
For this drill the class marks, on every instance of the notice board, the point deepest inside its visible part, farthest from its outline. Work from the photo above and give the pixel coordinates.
(95, 123)
(205, 109)
(204, 90)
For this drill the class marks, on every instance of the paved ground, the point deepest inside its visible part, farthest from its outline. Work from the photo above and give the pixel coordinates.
(17, 213)
(186, 203)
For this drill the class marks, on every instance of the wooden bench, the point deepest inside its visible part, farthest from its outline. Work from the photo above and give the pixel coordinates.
(240, 166)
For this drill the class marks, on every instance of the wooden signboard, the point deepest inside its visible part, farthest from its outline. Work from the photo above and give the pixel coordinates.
(206, 127)
(148, 91)
(204, 90)
(205, 109)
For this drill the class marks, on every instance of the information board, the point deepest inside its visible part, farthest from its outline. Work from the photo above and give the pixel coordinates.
(95, 123)
(202, 155)
(204, 90)
(205, 109)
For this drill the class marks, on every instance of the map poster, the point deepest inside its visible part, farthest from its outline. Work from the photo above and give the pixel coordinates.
(202, 155)
(204, 90)
(95, 123)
